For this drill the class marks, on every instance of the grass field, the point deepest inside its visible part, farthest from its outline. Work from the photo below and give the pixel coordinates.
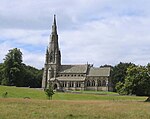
(70, 105)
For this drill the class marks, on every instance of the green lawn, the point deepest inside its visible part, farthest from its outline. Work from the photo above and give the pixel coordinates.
(83, 105)
(15, 92)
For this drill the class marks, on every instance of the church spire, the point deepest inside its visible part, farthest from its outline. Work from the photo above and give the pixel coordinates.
(54, 26)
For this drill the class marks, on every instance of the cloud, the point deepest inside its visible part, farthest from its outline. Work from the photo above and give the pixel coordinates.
(31, 42)
(33, 58)
(97, 31)
(109, 41)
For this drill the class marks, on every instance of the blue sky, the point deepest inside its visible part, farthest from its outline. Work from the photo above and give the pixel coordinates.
(94, 31)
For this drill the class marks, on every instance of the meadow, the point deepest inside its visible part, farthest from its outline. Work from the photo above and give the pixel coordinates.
(83, 105)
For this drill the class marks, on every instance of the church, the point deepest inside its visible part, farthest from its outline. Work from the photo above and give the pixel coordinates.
(71, 77)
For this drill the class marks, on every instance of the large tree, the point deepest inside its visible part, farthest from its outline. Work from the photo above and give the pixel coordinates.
(118, 73)
(13, 68)
(137, 82)
(14, 73)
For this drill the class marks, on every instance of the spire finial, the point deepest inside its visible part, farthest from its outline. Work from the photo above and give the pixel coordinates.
(54, 19)
(54, 27)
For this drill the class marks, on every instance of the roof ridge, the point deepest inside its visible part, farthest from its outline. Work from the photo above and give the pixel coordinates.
(74, 65)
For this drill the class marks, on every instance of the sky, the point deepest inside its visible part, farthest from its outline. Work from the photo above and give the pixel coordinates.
(95, 31)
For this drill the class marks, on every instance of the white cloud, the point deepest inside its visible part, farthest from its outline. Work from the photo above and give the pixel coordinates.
(97, 31)
(21, 36)
(109, 41)
(36, 59)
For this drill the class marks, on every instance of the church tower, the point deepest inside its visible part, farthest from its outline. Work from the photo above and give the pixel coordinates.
(53, 57)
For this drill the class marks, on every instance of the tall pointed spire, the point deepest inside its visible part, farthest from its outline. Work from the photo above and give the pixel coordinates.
(54, 26)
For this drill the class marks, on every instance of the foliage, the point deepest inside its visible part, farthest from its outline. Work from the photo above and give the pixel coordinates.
(106, 65)
(32, 77)
(119, 88)
(49, 92)
(13, 68)
(1, 72)
(137, 82)
(118, 73)
(14, 73)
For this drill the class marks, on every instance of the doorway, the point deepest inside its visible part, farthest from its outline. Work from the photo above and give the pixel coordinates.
(55, 86)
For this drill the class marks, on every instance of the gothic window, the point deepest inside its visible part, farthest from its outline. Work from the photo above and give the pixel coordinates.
(88, 83)
(51, 57)
(71, 84)
(103, 83)
(99, 83)
(93, 83)
(78, 84)
(64, 84)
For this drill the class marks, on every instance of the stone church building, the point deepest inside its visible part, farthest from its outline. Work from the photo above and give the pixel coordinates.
(71, 77)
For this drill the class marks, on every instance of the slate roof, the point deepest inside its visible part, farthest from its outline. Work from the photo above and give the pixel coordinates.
(68, 78)
(99, 71)
(73, 69)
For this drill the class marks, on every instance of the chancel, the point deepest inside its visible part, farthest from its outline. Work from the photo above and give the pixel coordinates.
(71, 77)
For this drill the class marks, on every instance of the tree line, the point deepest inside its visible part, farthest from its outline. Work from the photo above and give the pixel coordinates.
(13, 72)
(127, 78)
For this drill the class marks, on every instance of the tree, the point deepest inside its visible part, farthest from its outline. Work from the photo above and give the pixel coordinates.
(14, 73)
(32, 77)
(1, 73)
(119, 88)
(13, 68)
(137, 81)
(49, 92)
(118, 73)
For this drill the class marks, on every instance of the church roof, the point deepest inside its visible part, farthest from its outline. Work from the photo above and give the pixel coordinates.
(99, 71)
(73, 69)
(68, 78)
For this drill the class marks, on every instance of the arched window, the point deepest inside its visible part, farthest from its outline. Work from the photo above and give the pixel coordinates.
(88, 83)
(78, 84)
(71, 84)
(99, 83)
(64, 84)
(93, 83)
(103, 83)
